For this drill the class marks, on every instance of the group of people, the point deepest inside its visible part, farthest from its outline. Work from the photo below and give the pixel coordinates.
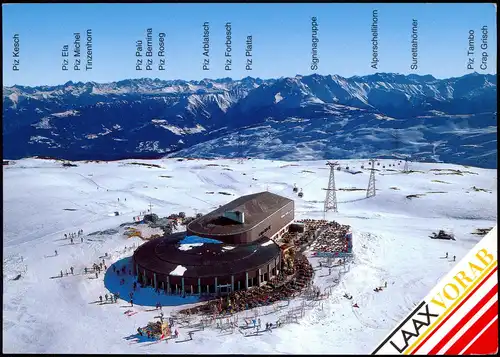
(72, 236)
(96, 268)
(380, 288)
(260, 296)
(311, 230)
(122, 270)
(71, 270)
(454, 257)
(332, 239)
(111, 297)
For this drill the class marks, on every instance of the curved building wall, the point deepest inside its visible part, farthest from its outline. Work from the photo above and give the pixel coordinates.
(179, 284)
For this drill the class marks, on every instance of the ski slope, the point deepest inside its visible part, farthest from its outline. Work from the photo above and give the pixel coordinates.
(43, 313)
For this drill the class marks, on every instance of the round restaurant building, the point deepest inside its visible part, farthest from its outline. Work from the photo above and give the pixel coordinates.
(229, 249)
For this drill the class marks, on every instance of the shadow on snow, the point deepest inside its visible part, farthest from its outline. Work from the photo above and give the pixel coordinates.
(142, 296)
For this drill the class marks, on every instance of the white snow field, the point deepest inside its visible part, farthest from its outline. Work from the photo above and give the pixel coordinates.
(44, 313)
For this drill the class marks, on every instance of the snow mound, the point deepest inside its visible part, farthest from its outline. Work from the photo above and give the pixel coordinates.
(178, 271)
(188, 246)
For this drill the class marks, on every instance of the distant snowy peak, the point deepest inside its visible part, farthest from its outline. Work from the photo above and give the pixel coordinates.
(298, 83)
(300, 116)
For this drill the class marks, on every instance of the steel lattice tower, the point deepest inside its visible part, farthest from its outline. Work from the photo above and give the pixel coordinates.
(331, 195)
(370, 191)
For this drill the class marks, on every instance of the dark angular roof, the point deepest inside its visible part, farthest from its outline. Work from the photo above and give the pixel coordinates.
(162, 255)
(256, 207)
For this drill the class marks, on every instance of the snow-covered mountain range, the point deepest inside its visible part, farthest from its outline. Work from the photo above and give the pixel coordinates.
(303, 117)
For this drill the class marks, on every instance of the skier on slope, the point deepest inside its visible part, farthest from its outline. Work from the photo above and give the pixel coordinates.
(55, 252)
(61, 274)
(71, 268)
(100, 297)
(106, 297)
(446, 255)
(454, 257)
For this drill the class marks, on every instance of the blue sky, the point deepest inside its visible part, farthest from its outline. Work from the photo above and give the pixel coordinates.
(281, 39)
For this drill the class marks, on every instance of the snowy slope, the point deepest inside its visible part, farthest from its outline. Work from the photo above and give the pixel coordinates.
(43, 200)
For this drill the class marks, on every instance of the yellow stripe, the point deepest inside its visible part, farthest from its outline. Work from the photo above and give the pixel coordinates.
(449, 309)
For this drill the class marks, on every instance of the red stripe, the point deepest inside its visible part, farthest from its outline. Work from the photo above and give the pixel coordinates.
(463, 321)
(474, 330)
(487, 343)
(451, 314)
